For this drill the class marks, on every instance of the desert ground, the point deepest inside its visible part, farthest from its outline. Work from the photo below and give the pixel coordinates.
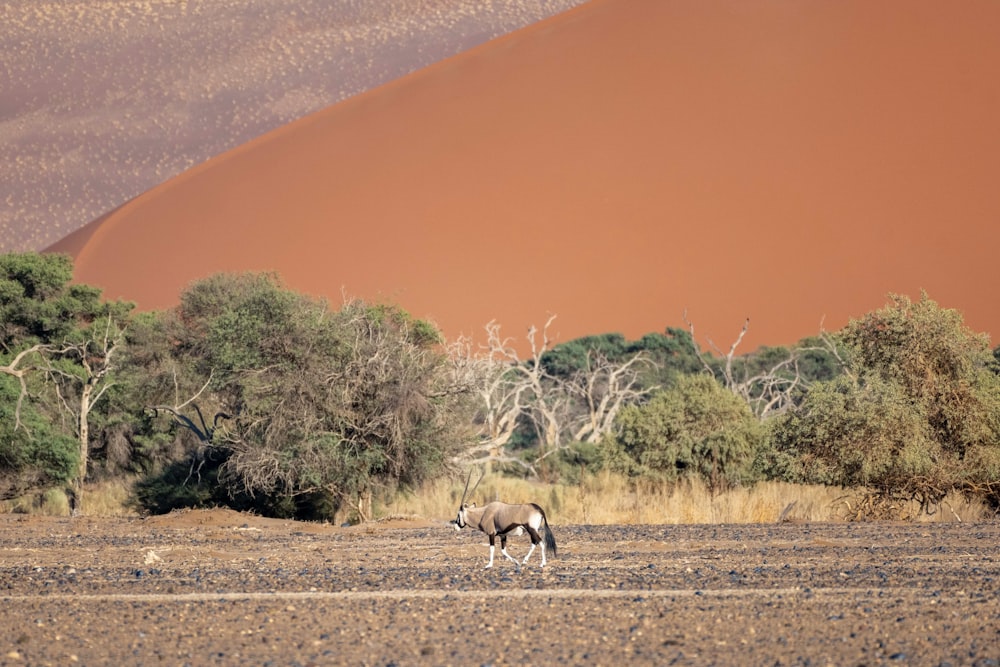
(218, 587)
(105, 99)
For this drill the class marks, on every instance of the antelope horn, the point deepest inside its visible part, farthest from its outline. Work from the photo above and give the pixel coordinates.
(477, 481)
(466, 491)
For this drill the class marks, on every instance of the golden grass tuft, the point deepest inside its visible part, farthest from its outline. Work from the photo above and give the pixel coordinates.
(608, 498)
(48, 502)
(110, 498)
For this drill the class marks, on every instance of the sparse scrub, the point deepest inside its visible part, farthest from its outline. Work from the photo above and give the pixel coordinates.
(354, 414)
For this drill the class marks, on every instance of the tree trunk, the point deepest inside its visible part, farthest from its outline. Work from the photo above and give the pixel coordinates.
(81, 471)
(365, 506)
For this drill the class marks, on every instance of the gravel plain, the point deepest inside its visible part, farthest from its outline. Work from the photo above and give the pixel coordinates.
(218, 587)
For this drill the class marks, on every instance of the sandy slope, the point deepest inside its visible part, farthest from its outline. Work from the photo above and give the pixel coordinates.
(615, 165)
(101, 100)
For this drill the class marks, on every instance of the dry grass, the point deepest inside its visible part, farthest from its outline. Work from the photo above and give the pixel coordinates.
(607, 498)
(104, 499)
(108, 499)
(601, 499)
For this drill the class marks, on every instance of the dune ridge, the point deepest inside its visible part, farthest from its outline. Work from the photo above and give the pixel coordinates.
(104, 100)
(617, 165)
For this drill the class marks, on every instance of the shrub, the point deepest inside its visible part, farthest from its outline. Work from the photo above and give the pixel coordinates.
(697, 428)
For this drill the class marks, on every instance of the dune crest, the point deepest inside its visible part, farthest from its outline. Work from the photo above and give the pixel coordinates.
(616, 165)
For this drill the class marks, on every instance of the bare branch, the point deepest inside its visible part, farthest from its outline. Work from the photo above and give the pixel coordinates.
(604, 387)
(767, 392)
(697, 352)
(14, 369)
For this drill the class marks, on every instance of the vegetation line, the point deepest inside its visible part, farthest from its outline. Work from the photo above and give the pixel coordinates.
(251, 396)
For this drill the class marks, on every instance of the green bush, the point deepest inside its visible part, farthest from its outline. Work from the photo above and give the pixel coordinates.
(916, 416)
(698, 428)
(34, 455)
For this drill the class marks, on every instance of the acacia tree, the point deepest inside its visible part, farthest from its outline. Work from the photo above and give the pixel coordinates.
(62, 333)
(19, 368)
(328, 408)
(34, 452)
(917, 416)
(81, 371)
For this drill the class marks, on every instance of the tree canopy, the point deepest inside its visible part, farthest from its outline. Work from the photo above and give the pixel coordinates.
(917, 415)
(250, 394)
(57, 344)
(698, 428)
(323, 406)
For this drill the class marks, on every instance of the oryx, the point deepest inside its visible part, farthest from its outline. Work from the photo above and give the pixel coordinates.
(505, 520)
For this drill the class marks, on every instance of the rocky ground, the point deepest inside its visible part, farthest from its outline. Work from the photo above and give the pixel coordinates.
(217, 587)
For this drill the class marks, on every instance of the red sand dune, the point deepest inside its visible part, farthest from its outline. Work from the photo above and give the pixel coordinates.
(615, 165)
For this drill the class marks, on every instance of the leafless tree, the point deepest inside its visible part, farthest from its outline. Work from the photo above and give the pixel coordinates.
(500, 402)
(522, 388)
(502, 388)
(770, 391)
(206, 434)
(561, 410)
(604, 387)
(79, 392)
(549, 400)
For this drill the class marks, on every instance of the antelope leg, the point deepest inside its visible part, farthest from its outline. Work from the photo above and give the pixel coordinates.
(509, 557)
(503, 550)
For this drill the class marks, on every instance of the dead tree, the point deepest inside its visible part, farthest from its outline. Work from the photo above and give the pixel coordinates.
(502, 390)
(549, 402)
(561, 410)
(95, 359)
(604, 388)
(512, 389)
(770, 391)
(206, 434)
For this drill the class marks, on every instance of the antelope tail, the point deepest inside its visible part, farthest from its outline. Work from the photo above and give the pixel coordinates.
(550, 539)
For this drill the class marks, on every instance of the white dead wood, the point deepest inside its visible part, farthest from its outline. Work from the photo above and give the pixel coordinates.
(15, 369)
(549, 403)
(772, 390)
(501, 389)
(519, 389)
(95, 357)
(604, 388)
(517, 392)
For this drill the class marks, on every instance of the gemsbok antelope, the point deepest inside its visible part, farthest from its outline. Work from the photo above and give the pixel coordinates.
(506, 520)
